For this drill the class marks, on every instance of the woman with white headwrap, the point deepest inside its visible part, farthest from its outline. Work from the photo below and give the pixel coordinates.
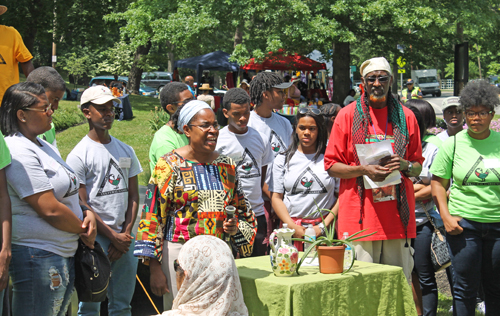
(187, 196)
(207, 280)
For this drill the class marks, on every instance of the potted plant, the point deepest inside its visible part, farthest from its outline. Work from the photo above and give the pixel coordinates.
(330, 251)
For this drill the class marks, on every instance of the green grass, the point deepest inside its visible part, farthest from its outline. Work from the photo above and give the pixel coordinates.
(134, 132)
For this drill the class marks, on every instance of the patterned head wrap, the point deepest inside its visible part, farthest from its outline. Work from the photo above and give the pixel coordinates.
(188, 111)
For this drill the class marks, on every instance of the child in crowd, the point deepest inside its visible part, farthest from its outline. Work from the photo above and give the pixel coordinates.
(107, 170)
(251, 153)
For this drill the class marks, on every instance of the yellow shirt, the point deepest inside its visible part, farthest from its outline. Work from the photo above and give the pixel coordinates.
(12, 52)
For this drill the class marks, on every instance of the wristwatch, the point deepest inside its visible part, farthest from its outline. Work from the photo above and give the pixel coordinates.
(410, 167)
(322, 227)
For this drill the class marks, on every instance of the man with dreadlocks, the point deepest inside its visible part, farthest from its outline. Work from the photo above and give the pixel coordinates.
(374, 117)
(266, 93)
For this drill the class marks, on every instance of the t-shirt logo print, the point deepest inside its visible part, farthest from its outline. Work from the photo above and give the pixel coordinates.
(112, 182)
(248, 167)
(481, 173)
(276, 143)
(308, 183)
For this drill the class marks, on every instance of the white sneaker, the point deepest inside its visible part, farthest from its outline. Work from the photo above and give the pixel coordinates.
(481, 308)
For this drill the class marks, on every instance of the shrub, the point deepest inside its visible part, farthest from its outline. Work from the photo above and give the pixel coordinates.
(67, 116)
(159, 118)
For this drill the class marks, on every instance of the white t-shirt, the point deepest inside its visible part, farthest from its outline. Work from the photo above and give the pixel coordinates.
(277, 131)
(104, 169)
(443, 135)
(429, 152)
(250, 153)
(304, 181)
(34, 170)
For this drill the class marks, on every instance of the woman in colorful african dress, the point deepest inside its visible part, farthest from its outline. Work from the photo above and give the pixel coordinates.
(187, 195)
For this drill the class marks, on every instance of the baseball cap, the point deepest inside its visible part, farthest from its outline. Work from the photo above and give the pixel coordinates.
(283, 85)
(3, 9)
(449, 102)
(409, 81)
(97, 95)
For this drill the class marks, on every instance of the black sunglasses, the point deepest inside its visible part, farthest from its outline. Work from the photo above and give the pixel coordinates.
(311, 110)
(380, 79)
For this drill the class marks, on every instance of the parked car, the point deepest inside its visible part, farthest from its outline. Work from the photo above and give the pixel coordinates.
(143, 89)
(156, 79)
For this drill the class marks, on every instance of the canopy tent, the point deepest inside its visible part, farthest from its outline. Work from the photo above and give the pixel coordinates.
(280, 61)
(218, 60)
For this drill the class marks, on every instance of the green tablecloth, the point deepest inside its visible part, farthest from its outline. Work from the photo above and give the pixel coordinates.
(368, 289)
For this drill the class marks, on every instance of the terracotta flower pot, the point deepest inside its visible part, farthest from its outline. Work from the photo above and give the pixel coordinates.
(331, 259)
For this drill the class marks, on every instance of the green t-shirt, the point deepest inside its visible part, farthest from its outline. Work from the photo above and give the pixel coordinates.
(475, 192)
(50, 135)
(164, 141)
(4, 153)
(433, 139)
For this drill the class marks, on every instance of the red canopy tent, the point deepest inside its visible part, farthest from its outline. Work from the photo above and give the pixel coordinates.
(280, 61)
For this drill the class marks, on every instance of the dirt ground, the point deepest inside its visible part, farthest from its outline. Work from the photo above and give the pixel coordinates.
(443, 284)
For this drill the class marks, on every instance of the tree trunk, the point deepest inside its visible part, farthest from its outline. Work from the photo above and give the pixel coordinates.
(238, 35)
(171, 57)
(134, 78)
(340, 62)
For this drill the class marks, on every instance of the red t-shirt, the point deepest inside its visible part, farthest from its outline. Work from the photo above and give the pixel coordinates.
(382, 217)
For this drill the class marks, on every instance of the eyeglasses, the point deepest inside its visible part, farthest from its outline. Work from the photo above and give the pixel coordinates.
(482, 114)
(184, 102)
(177, 267)
(44, 110)
(206, 127)
(451, 112)
(380, 79)
(307, 110)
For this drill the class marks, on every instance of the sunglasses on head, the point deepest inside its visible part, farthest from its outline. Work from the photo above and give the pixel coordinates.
(309, 110)
(380, 79)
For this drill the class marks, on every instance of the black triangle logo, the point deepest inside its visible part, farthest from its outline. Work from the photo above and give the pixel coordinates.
(308, 183)
(2, 61)
(114, 181)
(277, 144)
(248, 167)
(479, 175)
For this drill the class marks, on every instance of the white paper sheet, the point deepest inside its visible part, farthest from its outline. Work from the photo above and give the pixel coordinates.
(370, 154)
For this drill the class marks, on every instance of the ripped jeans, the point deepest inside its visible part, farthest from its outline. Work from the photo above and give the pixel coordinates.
(42, 282)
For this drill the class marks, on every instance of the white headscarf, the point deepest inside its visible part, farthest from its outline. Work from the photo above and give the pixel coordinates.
(212, 285)
(188, 111)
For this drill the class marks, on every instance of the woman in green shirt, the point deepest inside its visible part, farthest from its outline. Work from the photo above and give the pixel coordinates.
(472, 214)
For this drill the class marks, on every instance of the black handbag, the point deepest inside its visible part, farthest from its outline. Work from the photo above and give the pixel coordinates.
(440, 254)
(92, 273)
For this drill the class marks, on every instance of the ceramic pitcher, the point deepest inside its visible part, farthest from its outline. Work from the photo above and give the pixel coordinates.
(284, 255)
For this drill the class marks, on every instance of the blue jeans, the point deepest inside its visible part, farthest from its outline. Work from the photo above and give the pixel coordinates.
(121, 284)
(475, 255)
(42, 281)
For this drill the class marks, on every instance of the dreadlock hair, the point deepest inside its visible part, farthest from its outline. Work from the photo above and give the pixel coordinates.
(19, 96)
(174, 118)
(236, 96)
(170, 93)
(264, 81)
(48, 77)
(320, 141)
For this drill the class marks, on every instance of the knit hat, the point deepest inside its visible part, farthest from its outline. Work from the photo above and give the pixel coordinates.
(374, 64)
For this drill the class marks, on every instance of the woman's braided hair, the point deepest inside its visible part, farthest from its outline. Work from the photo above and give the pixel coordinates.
(263, 82)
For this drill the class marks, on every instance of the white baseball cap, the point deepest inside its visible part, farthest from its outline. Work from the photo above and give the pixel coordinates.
(97, 95)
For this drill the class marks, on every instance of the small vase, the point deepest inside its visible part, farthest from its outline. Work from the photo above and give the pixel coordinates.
(284, 256)
(331, 259)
